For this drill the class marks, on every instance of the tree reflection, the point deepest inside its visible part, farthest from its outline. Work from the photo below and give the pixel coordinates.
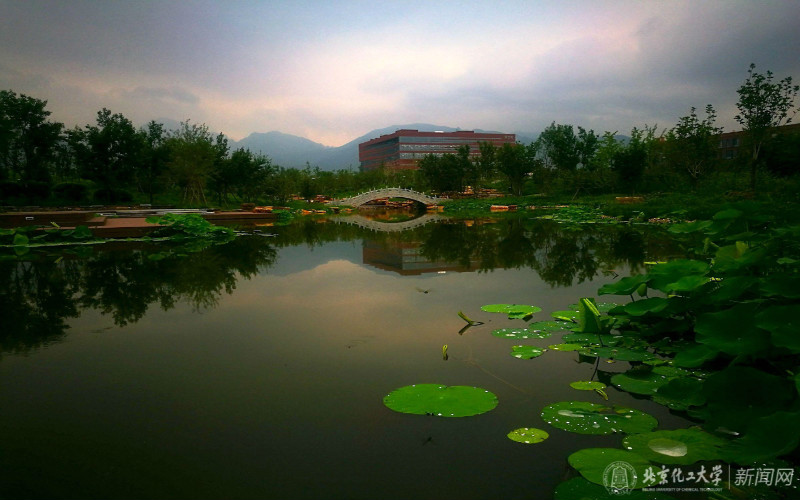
(42, 294)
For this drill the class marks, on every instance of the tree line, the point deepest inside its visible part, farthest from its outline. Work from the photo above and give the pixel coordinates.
(112, 161)
(565, 159)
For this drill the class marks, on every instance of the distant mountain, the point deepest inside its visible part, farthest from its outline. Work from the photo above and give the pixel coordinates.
(285, 150)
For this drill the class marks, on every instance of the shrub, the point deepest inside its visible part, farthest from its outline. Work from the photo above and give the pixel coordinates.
(70, 191)
(112, 196)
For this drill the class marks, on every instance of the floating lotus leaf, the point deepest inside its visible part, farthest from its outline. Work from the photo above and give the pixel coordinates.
(587, 385)
(621, 353)
(766, 438)
(694, 356)
(441, 400)
(528, 435)
(550, 326)
(570, 316)
(681, 393)
(644, 306)
(565, 347)
(590, 418)
(784, 324)
(599, 466)
(578, 488)
(526, 351)
(681, 446)
(625, 286)
(732, 331)
(646, 383)
(520, 333)
(592, 339)
(514, 311)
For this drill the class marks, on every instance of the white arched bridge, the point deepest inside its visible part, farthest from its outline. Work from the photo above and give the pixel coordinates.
(376, 194)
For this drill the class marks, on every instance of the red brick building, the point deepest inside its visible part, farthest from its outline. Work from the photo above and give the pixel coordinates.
(403, 149)
(729, 142)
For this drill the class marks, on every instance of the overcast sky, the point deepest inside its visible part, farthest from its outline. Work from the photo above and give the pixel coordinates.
(334, 70)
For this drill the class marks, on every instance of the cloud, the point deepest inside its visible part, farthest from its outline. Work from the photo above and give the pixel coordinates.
(332, 71)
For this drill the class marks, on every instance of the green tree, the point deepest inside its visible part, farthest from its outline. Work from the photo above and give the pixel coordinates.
(109, 152)
(29, 141)
(193, 157)
(154, 158)
(763, 105)
(630, 162)
(486, 162)
(514, 162)
(559, 147)
(692, 144)
(443, 173)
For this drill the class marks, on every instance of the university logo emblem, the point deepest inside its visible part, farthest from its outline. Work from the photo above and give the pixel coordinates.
(619, 478)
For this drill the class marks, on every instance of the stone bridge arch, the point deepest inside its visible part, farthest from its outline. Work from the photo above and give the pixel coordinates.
(375, 194)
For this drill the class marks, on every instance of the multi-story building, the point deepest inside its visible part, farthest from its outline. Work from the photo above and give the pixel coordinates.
(729, 142)
(403, 149)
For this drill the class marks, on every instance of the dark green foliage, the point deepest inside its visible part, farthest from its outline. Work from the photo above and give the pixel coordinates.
(71, 192)
(109, 195)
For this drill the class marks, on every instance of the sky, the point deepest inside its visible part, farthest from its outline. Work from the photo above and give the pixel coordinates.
(332, 71)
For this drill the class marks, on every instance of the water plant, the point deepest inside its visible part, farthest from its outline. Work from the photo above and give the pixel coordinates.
(441, 400)
(715, 336)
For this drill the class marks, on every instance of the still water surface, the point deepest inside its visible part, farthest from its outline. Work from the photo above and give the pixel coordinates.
(257, 369)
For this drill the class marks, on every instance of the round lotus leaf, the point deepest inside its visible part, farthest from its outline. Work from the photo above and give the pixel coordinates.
(590, 418)
(646, 383)
(565, 347)
(587, 385)
(578, 488)
(613, 468)
(514, 311)
(520, 333)
(526, 351)
(681, 446)
(618, 353)
(441, 400)
(528, 435)
(550, 326)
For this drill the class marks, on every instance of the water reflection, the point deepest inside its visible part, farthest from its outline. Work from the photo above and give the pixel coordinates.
(43, 291)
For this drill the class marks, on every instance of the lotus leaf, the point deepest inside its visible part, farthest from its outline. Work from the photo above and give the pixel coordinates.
(441, 400)
(681, 446)
(766, 438)
(514, 311)
(587, 339)
(681, 393)
(585, 385)
(737, 395)
(621, 353)
(625, 286)
(570, 316)
(550, 326)
(646, 383)
(528, 435)
(782, 286)
(565, 347)
(688, 283)
(526, 351)
(732, 331)
(520, 333)
(596, 465)
(694, 356)
(644, 306)
(783, 322)
(578, 488)
(590, 418)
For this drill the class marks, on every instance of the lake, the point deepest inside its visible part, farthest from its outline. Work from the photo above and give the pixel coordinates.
(257, 369)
